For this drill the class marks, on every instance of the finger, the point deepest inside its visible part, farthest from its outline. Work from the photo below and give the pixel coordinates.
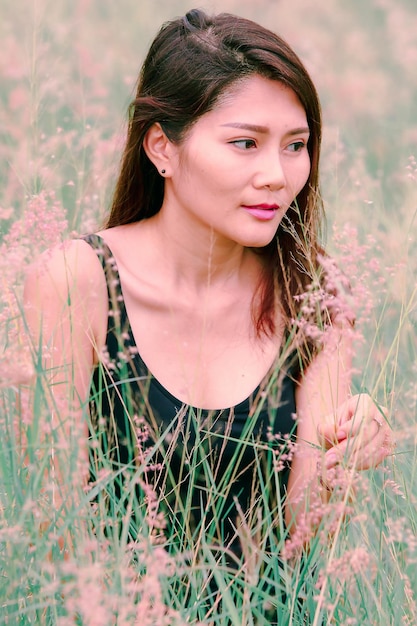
(348, 418)
(354, 405)
(359, 452)
(327, 435)
(359, 406)
(367, 418)
(369, 456)
(330, 435)
(365, 429)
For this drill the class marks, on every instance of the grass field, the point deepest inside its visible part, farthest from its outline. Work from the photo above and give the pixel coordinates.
(67, 73)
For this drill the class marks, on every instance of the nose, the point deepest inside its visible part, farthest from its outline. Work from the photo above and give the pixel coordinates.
(270, 173)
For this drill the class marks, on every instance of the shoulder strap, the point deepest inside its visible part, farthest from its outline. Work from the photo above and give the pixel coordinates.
(118, 321)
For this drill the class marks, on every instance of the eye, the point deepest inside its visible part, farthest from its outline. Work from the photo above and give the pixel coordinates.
(244, 144)
(297, 146)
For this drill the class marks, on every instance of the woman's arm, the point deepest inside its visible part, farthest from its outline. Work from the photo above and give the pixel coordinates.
(65, 309)
(333, 425)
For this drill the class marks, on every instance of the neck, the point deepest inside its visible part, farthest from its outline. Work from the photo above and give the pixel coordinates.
(196, 257)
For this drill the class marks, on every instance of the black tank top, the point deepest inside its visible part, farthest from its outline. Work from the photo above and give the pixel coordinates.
(209, 463)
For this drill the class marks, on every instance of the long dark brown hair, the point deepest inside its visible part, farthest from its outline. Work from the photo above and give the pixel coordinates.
(191, 63)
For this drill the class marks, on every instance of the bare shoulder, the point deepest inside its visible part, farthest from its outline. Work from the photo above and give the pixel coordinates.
(66, 279)
(69, 269)
(73, 263)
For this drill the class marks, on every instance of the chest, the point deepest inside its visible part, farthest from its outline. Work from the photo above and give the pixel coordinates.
(205, 353)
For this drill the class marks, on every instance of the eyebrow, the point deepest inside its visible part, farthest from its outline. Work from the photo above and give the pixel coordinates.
(264, 129)
(252, 127)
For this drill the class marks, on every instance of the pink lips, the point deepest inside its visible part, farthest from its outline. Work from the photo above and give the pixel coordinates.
(262, 211)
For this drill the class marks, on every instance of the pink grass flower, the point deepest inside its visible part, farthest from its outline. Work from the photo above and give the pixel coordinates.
(345, 568)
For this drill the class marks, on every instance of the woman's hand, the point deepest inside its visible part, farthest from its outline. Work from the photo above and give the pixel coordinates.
(358, 435)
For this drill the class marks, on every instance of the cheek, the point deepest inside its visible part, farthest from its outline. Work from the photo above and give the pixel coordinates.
(198, 167)
(302, 174)
(212, 174)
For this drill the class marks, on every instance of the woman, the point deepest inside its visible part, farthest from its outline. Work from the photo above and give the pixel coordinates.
(190, 346)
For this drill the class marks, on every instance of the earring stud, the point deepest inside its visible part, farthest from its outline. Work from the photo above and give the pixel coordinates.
(163, 171)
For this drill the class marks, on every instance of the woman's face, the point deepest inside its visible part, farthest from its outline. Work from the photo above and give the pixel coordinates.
(242, 164)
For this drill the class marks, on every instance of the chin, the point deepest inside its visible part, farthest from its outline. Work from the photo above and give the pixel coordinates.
(258, 243)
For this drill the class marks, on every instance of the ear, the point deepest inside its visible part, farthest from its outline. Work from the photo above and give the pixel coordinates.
(159, 149)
